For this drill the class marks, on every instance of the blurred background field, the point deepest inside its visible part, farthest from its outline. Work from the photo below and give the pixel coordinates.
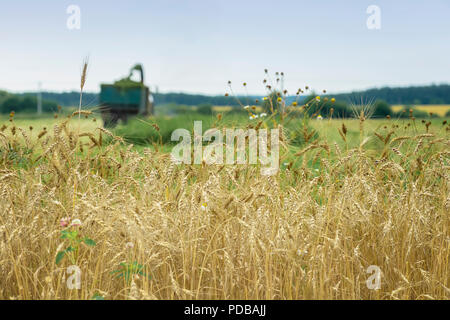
(440, 109)
(147, 131)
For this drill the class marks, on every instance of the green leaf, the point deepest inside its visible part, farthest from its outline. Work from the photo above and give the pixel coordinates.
(127, 270)
(59, 256)
(127, 275)
(97, 296)
(66, 234)
(89, 242)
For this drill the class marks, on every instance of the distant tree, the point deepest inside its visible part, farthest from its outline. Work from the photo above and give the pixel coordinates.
(12, 103)
(193, 99)
(434, 94)
(340, 108)
(3, 96)
(382, 109)
(27, 103)
(49, 106)
(205, 108)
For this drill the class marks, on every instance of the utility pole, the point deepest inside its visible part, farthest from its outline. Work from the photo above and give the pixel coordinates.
(39, 98)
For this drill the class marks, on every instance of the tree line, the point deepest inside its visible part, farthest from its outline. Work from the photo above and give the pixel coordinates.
(24, 103)
(434, 94)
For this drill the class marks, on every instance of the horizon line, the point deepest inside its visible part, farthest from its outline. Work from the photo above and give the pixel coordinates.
(242, 95)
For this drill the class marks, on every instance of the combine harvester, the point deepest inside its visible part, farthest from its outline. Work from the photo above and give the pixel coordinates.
(125, 98)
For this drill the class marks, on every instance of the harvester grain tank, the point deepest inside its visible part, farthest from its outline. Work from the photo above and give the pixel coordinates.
(125, 98)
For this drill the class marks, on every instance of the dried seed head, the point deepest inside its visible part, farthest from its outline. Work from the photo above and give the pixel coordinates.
(84, 73)
(344, 129)
(42, 133)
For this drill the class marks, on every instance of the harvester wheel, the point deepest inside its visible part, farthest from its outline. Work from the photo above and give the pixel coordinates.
(110, 119)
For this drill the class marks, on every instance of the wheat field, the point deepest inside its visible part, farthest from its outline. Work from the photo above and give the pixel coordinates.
(137, 226)
(439, 109)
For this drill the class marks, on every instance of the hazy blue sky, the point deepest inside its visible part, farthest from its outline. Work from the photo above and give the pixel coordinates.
(198, 45)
